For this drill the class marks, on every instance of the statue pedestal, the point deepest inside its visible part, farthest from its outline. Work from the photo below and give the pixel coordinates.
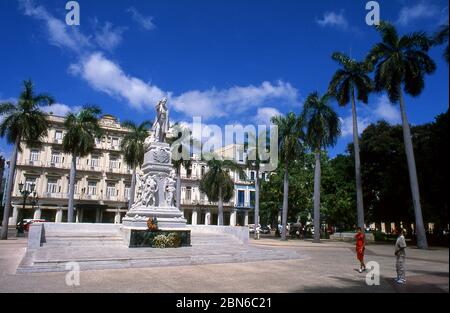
(155, 196)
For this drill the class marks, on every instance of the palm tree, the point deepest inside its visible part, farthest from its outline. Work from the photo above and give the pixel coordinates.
(323, 128)
(133, 150)
(23, 120)
(404, 61)
(255, 163)
(353, 77)
(217, 183)
(181, 156)
(441, 37)
(82, 129)
(290, 134)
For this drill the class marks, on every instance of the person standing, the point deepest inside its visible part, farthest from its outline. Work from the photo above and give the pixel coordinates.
(360, 248)
(400, 254)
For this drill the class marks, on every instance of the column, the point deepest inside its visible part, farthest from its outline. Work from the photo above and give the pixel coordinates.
(208, 218)
(37, 213)
(59, 215)
(194, 216)
(246, 218)
(13, 219)
(233, 218)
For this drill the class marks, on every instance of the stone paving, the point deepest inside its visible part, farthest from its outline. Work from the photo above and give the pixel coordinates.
(326, 267)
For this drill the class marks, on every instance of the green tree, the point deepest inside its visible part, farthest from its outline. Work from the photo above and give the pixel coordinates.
(404, 61)
(353, 77)
(290, 134)
(323, 128)
(133, 150)
(441, 37)
(23, 120)
(217, 183)
(82, 129)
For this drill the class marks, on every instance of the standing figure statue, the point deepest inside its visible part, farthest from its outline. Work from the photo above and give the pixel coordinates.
(150, 191)
(170, 190)
(161, 126)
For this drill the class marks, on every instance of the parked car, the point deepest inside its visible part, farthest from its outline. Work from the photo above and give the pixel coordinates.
(251, 228)
(265, 229)
(27, 223)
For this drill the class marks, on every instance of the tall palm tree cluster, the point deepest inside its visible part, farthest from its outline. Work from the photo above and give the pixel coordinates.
(399, 64)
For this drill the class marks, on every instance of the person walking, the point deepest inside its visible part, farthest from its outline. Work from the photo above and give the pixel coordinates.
(360, 248)
(400, 246)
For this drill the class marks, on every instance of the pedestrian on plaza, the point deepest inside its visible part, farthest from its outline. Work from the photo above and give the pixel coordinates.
(360, 248)
(400, 254)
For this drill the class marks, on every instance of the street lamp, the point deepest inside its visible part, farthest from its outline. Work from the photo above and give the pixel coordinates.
(25, 194)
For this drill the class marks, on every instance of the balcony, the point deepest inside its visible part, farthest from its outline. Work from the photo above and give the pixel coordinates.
(190, 177)
(245, 205)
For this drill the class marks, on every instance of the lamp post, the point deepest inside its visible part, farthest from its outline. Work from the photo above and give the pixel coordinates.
(25, 194)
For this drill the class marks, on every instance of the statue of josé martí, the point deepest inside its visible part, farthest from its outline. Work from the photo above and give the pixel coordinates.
(161, 126)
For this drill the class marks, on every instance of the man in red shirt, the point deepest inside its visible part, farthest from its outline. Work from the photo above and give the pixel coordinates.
(360, 248)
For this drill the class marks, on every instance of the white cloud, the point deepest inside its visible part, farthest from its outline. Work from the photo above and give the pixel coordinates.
(347, 125)
(264, 115)
(386, 111)
(382, 110)
(334, 19)
(106, 76)
(420, 10)
(59, 109)
(108, 36)
(59, 33)
(235, 100)
(146, 22)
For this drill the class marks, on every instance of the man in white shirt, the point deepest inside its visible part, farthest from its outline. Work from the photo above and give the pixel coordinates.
(400, 254)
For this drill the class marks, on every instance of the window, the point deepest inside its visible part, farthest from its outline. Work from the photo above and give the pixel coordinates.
(52, 185)
(111, 190)
(95, 162)
(115, 142)
(34, 156)
(241, 198)
(203, 170)
(92, 188)
(56, 157)
(263, 176)
(252, 198)
(127, 192)
(189, 172)
(58, 135)
(252, 175)
(29, 182)
(188, 193)
(114, 163)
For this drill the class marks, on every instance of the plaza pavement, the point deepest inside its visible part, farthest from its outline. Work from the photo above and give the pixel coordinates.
(326, 267)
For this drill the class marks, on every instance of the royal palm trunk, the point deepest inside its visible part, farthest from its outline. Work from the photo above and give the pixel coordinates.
(256, 202)
(420, 229)
(317, 175)
(285, 202)
(359, 191)
(132, 189)
(73, 173)
(9, 188)
(220, 215)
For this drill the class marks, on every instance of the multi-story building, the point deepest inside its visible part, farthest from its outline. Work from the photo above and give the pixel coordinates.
(103, 182)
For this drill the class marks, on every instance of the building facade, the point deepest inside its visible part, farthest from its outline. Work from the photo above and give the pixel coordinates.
(103, 182)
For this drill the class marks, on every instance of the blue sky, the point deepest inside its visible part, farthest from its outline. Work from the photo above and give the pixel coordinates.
(227, 61)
